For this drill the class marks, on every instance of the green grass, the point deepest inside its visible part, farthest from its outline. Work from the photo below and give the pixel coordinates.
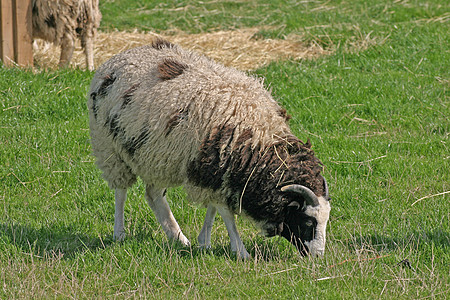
(377, 113)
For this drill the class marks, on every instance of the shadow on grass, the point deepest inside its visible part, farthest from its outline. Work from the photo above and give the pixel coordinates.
(258, 251)
(62, 241)
(416, 239)
(266, 249)
(50, 240)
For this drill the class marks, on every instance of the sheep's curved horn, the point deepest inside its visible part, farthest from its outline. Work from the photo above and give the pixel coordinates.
(325, 186)
(310, 197)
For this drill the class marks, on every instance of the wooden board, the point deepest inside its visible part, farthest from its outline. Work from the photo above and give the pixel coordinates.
(23, 50)
(16, 33)
(6, 32)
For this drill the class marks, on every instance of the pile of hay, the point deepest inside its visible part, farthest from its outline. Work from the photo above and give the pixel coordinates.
(237, 48)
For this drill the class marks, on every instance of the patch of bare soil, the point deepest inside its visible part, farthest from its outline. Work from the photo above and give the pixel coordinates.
(237, 48)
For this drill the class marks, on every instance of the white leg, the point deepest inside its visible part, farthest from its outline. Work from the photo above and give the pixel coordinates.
(89, 51)
(235, 240)
(120, 197)
(157, 201)
(204, 238)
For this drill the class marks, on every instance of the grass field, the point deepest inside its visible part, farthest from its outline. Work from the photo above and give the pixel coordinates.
(377, 113)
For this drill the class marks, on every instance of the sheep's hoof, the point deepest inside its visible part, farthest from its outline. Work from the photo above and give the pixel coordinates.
(119, 236)
(184, 241)
(243, 255)
(204, 246)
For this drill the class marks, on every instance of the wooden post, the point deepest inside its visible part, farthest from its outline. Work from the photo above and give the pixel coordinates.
(23, 48)
(16, 32)
(6, 32)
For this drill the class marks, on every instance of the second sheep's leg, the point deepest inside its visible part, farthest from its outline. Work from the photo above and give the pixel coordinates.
(87, 42)
(67, 47)
(156, 199)
(204, 237)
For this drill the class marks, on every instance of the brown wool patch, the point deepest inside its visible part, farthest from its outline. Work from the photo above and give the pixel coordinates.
(244, 136)
(256, 173)
(303, 167)
(135, 143)
(170, 69)
(108, 80)
(210, 165)
(176, 119)
(50, 21)
(128, 95)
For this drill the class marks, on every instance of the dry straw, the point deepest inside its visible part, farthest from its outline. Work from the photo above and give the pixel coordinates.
(238, 48)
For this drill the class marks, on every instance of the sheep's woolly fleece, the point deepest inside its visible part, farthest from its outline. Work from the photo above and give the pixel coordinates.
(240, 49)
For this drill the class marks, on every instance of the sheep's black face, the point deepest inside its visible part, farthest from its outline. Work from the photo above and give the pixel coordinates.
(305, 226)
(298, 229)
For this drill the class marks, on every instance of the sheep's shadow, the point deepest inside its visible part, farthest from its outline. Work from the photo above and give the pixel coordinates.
(66, 243)
(51, 240)
(218, 249)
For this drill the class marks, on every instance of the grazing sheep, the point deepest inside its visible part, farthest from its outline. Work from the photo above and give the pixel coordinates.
(61, 21)
(175, 118)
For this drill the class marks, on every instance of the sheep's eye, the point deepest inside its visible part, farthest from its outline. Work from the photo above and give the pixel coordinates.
(309, 223)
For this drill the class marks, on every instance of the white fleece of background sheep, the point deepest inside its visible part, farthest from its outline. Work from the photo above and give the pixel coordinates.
(57, 21)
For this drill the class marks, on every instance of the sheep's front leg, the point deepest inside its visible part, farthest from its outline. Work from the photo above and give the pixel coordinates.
(235, 240)
(204, 238)
(67, 47)
(156, 199)
(120, 197)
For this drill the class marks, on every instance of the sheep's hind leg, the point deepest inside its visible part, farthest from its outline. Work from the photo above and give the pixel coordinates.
(204, 237)
(236, 243)
(120, 197)
(156, 199)
(87, 42)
